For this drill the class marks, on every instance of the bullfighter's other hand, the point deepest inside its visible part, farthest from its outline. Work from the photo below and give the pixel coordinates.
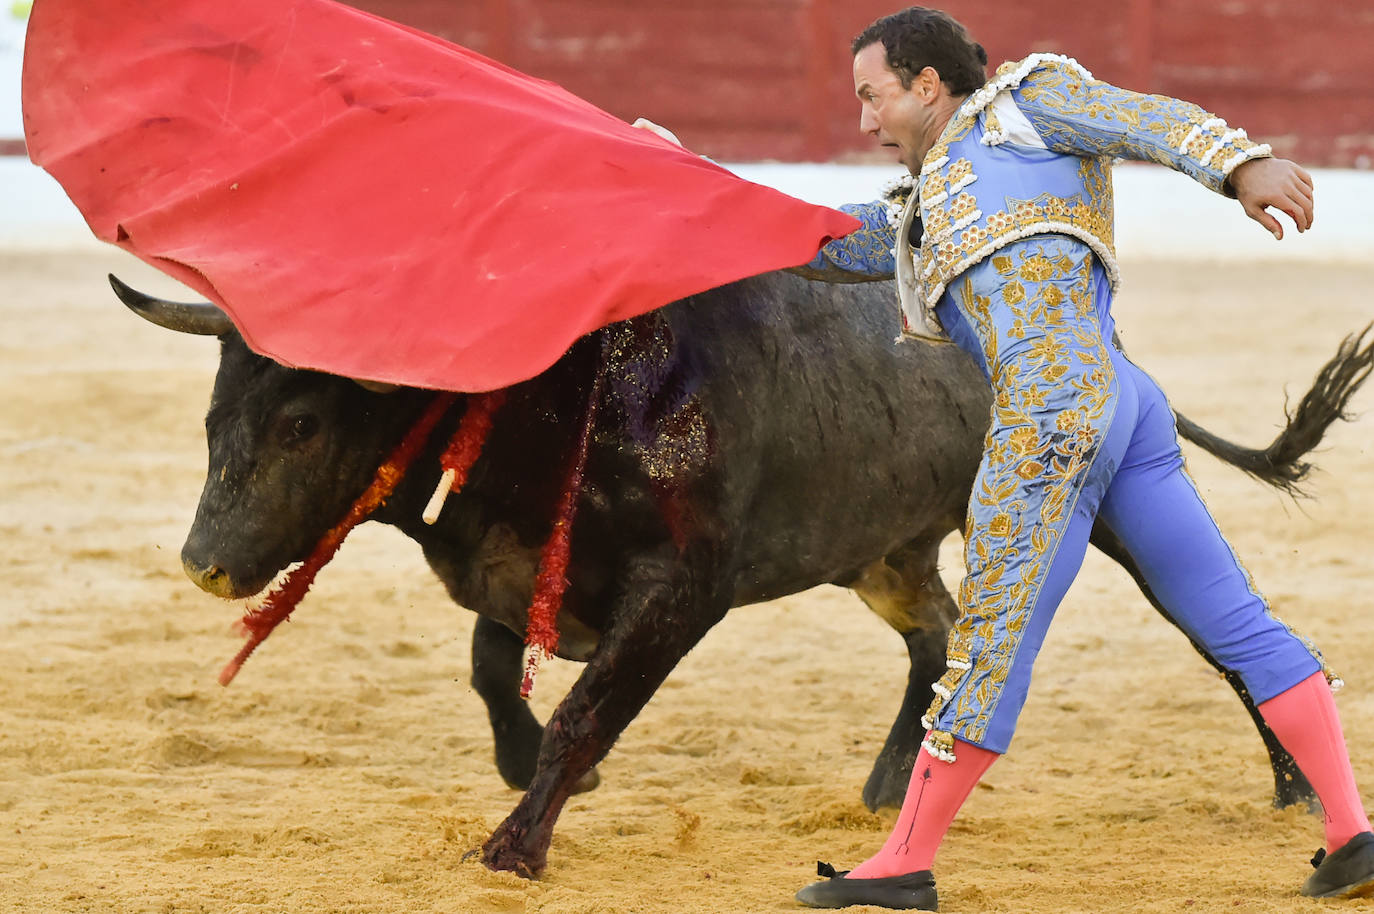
(1262, 183)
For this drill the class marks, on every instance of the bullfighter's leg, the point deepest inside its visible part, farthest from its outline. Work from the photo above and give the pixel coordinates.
(1058, 428)
(1061, 421)
(1290, 784)
(904, 589)
(1153, 506)
(497, 665)
(661, 614)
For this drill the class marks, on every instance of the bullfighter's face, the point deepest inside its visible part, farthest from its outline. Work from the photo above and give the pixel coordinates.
(908, 119)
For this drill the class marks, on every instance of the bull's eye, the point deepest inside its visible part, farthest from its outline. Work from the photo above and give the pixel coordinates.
(299, 429)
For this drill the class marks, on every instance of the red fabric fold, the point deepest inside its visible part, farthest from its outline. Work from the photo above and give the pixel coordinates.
(368, 200)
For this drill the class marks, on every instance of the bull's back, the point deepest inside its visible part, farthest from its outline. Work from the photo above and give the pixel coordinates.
(842, 443)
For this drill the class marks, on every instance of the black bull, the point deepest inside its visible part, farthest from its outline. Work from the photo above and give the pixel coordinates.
(751, 442)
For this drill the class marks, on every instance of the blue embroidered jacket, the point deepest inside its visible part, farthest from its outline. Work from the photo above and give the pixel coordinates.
(1038, 141)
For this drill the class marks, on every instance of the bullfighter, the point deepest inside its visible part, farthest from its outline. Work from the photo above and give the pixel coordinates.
(1000, 239)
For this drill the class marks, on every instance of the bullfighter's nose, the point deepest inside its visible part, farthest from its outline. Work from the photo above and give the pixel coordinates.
(210, 578)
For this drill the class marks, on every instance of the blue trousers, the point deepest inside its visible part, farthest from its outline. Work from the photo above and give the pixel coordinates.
(1078, 434)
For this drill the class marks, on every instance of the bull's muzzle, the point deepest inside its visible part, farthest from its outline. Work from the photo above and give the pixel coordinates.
(210, 578)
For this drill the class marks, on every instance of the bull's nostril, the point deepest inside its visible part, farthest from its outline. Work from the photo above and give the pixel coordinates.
(210, 578)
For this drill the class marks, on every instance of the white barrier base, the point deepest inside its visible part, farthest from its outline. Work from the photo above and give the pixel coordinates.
(1159, 214)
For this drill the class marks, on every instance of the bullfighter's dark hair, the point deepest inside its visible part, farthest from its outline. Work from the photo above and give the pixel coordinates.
(917, 38)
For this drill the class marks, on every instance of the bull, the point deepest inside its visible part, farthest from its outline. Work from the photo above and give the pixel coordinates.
(752, 441)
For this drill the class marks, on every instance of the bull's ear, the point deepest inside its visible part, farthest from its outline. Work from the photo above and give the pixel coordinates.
(200, 318)
(377, 387)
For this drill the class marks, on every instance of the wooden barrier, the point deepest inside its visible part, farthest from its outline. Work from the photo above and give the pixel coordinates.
(769, 79)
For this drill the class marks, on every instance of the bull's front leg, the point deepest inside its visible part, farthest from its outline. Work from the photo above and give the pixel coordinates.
(658, 618)
(497, 665)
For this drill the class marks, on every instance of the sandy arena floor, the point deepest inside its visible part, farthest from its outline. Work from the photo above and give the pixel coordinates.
(348, 769)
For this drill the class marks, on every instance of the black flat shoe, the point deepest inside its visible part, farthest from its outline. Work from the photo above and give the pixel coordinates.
(1348, 873)
(903, 893)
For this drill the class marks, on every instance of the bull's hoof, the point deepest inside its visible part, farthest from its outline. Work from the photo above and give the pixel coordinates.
(1286, 798)
(507, 851)
(886, 787)
(1294, 790)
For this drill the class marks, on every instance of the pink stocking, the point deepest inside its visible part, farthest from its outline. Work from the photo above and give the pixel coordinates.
(1304, 719)
(933, 797)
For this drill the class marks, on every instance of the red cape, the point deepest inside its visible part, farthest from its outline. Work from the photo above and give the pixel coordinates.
(372, 201)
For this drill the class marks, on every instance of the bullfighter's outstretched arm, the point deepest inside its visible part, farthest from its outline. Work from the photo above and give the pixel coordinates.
(865, 255)
(1073, 113)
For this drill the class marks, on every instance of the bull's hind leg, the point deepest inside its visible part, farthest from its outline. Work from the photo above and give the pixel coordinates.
(661, 614)
(497, 665)
(905, 590)
(1290, 785)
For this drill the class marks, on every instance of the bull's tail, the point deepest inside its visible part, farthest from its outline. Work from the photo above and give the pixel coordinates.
(1281, 464)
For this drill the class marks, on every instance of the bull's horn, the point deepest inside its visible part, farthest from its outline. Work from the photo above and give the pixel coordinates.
(200, 318)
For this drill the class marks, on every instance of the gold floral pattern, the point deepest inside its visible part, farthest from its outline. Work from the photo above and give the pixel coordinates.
(1081, 116)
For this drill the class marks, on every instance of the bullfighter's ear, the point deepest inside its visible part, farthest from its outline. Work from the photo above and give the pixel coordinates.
(377, 387)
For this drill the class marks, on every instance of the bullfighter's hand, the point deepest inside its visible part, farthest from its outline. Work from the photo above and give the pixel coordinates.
(1262, 183)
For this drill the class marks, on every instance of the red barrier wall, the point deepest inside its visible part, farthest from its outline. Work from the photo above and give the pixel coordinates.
(769, 79)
